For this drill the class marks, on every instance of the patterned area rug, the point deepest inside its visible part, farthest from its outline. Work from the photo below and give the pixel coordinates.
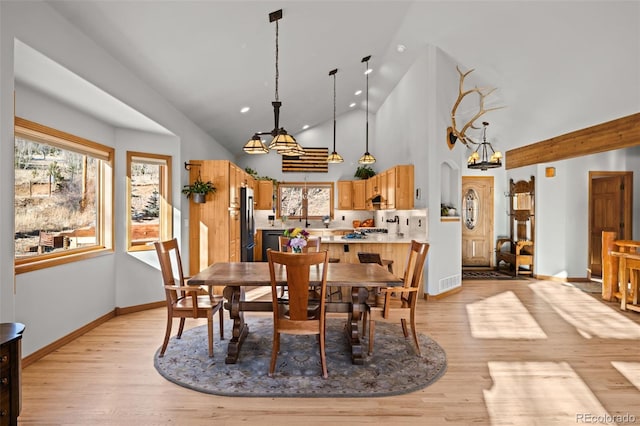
(489, 275)
(393, 369)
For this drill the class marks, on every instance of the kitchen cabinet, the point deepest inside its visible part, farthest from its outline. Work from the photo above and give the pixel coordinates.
(359, 195)
(214, 227)
(404, 187)
(345, 201)
(264, 195)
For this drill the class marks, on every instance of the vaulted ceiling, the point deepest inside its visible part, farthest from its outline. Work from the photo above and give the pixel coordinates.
(212, 58)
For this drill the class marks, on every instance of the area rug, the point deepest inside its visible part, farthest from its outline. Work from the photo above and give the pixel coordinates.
(393, 369)
(489, 274)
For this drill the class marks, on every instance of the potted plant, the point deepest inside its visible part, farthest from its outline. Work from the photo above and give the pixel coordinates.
(364, 172)
(199, 190)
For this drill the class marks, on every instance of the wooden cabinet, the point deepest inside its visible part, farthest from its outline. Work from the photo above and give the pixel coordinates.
(10, 372)
(214, 227)
(345, 195)
(404, 187)
(264, 195)
(359, 194)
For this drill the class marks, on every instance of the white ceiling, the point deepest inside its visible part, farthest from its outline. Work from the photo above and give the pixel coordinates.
(211, 58)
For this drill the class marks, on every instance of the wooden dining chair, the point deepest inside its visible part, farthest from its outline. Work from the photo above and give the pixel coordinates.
(399, 303)
(184, 301)
(299, 315)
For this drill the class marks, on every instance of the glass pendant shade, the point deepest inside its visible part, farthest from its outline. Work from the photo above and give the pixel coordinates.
(286, 144)
(367, 158)
(255, 146)
(335, 158)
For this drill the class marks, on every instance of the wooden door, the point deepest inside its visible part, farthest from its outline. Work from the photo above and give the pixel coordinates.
(477, 221)
(609, 210)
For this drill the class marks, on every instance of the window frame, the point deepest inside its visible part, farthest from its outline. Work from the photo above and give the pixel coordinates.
(165, 216)
(305, 187)
(104, 201)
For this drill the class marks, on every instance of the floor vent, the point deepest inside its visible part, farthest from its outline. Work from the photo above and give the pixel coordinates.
(449, 283)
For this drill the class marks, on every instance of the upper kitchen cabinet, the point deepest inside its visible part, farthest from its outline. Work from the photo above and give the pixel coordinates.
(345, 195)
(264, 195)
(359, 194)
(352, 195)
(404, 187)
(390, 189)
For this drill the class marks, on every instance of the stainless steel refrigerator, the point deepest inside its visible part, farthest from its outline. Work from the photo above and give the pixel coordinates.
(247, 225)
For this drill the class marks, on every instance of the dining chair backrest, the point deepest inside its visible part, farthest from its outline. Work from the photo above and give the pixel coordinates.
(168, 256)
(297, 271)
(313, 244)
(413, 269)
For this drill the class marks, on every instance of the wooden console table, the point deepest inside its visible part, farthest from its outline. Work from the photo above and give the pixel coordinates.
(10, 372)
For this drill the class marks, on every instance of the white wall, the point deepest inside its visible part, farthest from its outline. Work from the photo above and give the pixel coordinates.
(89, 287)
(137, 277)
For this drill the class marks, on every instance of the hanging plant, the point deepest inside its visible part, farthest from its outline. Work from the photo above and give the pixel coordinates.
(364, 172)
(199, 190)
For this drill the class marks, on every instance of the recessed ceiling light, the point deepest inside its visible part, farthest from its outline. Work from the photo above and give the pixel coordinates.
(401, 48)
(245, 109)
(358, 92)
(305, 127)
(352, 104)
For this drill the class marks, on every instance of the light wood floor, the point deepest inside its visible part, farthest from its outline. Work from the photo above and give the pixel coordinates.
(543, 354)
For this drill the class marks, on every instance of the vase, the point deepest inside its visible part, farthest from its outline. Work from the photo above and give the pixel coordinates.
(297, 249)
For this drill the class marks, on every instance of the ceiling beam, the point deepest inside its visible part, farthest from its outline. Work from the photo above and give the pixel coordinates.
(620, 133)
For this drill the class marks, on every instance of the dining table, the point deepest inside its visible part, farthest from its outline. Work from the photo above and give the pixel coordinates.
(235, 277)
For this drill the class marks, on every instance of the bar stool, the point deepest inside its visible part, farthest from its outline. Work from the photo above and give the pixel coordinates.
(375, 258)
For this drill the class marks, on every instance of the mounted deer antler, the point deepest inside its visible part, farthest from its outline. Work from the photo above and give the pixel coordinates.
(453, 134)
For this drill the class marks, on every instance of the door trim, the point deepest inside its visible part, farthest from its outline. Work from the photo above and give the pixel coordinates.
(627, 208)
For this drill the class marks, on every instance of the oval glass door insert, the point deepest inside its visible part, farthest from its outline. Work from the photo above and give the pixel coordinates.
(470, 204)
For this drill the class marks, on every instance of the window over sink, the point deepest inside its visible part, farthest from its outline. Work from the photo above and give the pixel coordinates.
(305, 200)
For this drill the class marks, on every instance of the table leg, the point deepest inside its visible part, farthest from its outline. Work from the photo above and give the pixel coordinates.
(234, 296)
(359, 296)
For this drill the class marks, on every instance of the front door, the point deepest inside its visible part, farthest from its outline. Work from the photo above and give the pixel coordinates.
(477, 221)
(609, 210)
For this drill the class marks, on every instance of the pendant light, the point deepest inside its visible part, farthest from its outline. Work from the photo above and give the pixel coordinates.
(367, 158)
(334, 157)
(255, 146)
(484, 157)
(282, 142)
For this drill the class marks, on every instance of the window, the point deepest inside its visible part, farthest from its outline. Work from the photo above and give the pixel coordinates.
(63, 197)
(148, 200)
(312, 200)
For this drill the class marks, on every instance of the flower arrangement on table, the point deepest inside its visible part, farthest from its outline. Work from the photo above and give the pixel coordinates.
(297, 239)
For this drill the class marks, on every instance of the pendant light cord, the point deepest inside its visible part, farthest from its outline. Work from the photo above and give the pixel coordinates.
(367, 107)
(334, 112)
(277, 71)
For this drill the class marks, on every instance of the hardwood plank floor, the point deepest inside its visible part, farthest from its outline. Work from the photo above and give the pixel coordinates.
(555, 370)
